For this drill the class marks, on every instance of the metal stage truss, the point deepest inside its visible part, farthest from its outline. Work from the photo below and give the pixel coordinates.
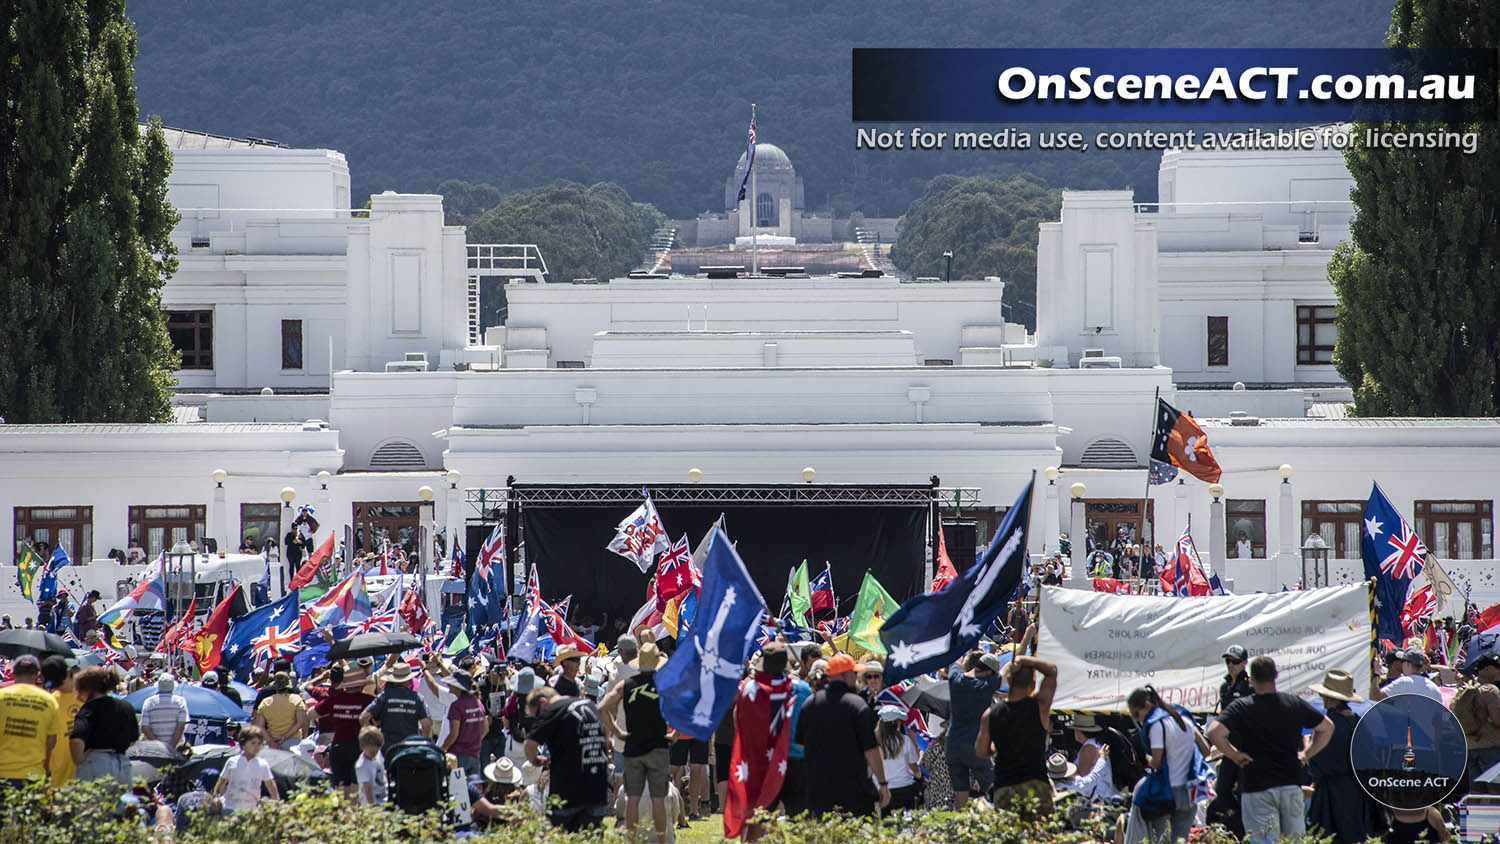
(486, 502)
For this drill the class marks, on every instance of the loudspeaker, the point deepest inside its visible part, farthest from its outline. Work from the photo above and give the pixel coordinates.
(962, 539)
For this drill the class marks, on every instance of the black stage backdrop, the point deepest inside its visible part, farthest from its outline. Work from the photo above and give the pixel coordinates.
(567, 545)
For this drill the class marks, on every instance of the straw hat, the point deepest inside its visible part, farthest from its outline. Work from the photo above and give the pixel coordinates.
(1059, 768)
(1084, 722)
(649, 658)
(1337, 684)
(567, 652)
(398, 673)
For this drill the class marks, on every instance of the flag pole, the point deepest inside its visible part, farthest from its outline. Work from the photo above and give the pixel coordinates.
(754, 201)
(1146, 501)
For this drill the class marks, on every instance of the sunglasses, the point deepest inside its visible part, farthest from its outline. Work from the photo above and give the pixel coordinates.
(873, 676)
(1228, 661)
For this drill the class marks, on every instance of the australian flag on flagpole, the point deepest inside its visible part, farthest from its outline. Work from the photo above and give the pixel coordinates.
(932, 630)
(698, 684)
(1393, 555)
(749, 161)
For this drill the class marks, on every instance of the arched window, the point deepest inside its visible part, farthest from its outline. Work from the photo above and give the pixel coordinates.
(1108, 453)
(765, 210)
(398, 454)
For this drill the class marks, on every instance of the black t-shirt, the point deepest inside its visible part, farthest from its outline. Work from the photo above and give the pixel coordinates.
(1232, 690)
(647, 729)
(399, 712)
(567, 687)
(1269, 727)
(573, 732)
(835, 728)
(232, 693)
(106, 723)
(1019, 741)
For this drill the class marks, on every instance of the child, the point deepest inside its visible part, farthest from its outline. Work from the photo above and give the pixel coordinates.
(240, 782)
(369, 769)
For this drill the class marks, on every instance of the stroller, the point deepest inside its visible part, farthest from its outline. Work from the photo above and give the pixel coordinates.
(418, 774)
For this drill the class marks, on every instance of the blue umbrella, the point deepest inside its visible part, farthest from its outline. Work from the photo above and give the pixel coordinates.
(202, 703)
(1481, 645)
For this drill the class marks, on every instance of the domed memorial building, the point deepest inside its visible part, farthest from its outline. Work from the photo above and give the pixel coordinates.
(778, 203)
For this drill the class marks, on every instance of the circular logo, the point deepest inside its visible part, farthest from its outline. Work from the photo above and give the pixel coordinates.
(1408, 752)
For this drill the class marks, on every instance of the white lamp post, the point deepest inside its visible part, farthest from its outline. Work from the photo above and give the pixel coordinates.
(1078, 531)
(221, 515)
(809, 473)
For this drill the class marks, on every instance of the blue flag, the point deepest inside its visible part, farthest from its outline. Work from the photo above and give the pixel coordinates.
(1393, 556)
(267, 632)
(699, 682)
(749, 165)
(315, 649)
(931, 631)
(47, 587)
(525, 644)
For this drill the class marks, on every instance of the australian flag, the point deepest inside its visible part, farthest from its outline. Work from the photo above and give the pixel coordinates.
(266, 632)
(698, 684)
(932, 630)
(1393, 555)
(486, 606)
(47, 588)
(749, 161)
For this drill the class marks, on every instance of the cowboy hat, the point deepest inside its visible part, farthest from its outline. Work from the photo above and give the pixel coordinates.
(567, 652)
(503, 771)
(398, 673)
(649, 657)
(1084, 722)
(1059, 768)
(1338, 685)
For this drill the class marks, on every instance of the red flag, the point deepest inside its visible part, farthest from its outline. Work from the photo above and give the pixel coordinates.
(757, 766)
(206, 643)
(169, 637)
(945, 572)
(1108, 584)
(414, 612)
(1177, 440)
(675, 574)
(1183, 576)
(310, 568)
(1487, 619)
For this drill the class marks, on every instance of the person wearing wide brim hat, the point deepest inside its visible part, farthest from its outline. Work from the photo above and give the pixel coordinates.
(565, 680)
(1338, 805)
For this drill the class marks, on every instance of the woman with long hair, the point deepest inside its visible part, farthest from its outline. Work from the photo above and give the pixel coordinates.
(1171, 739)
(899, 752)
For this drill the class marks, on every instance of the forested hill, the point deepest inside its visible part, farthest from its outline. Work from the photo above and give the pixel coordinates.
(651, 95)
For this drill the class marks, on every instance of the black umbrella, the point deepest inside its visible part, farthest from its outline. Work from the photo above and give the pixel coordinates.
(375, 643)
(926, 695)
(290, 770)
(157, 754)
(140, 770)
(19, 641)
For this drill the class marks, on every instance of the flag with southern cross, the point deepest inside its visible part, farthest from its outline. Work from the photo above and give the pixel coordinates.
(1183, 576)
(1178, 443)
(820, 591)
(486, 604)
(674, 572)
(47, 591)
(934, 629)
(639, 537)
(871, 608)
(29, 566)
(749, 160)
(698, 683)
(267, 632)
(762, 739)
(1393, 555)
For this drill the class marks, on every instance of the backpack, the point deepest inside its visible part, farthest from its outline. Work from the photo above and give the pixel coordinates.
(1465, 706)
(418, 775)
(1126, 763)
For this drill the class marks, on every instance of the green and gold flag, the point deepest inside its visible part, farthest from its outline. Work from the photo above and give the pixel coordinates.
(871, 609)
(30, 565)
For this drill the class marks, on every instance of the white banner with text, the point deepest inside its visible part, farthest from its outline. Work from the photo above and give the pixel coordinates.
(1107, 645)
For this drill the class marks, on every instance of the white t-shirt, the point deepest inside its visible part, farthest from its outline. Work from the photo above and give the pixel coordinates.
(372, 771)
(437, 703)
(1179, 744)
(1413, 684)
(1099, 781)
(1242, 549)
(897, 769)
(242, 782)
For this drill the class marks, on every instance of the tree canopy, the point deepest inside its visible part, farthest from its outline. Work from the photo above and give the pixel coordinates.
(84, 221)
(583, 232)
(990, 226)
(1419, 286)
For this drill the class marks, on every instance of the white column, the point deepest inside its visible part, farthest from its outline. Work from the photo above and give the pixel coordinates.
(453, 519)
(1286, 530)
(1216, 528)
(288, 495)
(1050, 517)
(1078, 536)
(220, 531)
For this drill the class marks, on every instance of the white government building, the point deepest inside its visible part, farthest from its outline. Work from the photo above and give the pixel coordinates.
(337, 353)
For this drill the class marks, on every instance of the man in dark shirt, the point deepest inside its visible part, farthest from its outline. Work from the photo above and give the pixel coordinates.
(397, 710)
(645, 754)
(1225, 808)
(837, 731)
(338, 716)
(577, 755)
(971, 690)
(1267, 729)
(212, 680)
(1014, 732)
(565, 681)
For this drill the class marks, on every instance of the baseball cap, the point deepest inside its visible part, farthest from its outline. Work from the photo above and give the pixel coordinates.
(991, 661)
(840, 663)
(891, 712)
(1236, 653)
(212, 678)
(165, 684)
(26, 662)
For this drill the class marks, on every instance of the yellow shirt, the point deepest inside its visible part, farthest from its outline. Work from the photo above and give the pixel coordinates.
(28, 715)
(68, 704)
(280, 712)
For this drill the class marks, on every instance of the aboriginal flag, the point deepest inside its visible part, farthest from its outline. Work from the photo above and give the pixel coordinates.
(1178, 443)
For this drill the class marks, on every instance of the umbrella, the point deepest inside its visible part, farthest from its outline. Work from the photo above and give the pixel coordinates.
(19, 641)
(202, 703)
(926, 695)
(290, 770)
(1481, 645)
(155, 753)
(375, 643)
(88, 658)
(140, 770)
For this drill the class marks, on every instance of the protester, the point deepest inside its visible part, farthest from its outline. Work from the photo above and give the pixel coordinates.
(1014, 733)
(338, 718)
(939, 791)
(494, 692)
(501, 783)
(397, 710)
(467, 723)
(436, 695)
(645, 743)
(211, 680)
(57, 676)
(1412, 680)
(104, 728)
(1267, 729)
(1478, 711)
(369, 768)
(837, 730)
(971, 690)
(793, 796)
(518, 718)
(283, 715)
(1225, 807)
(903, 774)
(244, 776)
(164, 716)
(565, 679)
(578, 753)
(1339, 807)
(30, 722)
(871, 680)
(1094, 776)
(87, 617)
(59, 616)
(1173, 744)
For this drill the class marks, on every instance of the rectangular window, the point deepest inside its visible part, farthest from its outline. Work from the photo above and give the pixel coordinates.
(291, 344)
(47, 527)
(1338, 522)
(258, 523)
(155, 529)
(378, 522)
(1218, 341)
(192, 334)
(1316, 334)
(1246, 534)
(1457, 530)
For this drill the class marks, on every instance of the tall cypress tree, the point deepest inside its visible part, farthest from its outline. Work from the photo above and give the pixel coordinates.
(1419, 287)
(84, 221)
